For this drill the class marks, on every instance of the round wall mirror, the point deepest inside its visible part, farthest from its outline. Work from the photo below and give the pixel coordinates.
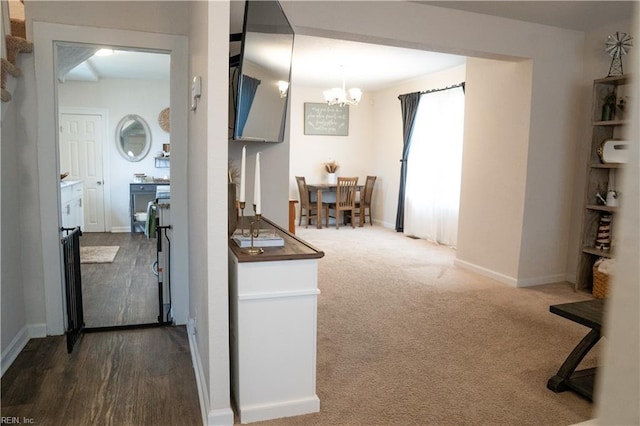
(133, 137)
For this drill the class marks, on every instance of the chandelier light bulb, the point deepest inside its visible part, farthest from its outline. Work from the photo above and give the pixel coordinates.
(283, 86)
(340, 96)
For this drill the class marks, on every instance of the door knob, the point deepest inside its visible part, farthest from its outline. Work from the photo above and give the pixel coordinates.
(99, 183)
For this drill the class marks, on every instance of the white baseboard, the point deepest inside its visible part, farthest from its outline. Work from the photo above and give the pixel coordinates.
(298, 407)
(201, 383)
(13, 350)
(18, 343)
(548, 279)
(513, 282)
(385, 224)
(221, 417)
(487, 272)
(115, 229)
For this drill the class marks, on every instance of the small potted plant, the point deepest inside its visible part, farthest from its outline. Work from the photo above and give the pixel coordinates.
(609, 107)
(331, 167)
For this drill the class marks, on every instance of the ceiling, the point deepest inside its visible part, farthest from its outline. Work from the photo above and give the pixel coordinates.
(123, 64)
(574, 15)
(322, 62)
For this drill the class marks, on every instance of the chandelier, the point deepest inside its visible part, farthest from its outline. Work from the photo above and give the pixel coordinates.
(340, 96)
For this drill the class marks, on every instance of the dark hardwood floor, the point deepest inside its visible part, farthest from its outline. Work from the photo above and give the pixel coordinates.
(124, 292)
(125, 377)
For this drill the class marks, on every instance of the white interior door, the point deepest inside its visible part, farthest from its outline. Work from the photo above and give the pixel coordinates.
(81, 156)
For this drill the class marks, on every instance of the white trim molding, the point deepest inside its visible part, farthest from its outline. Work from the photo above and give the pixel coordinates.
(18, 343)
(511, 281)
(221, 417)
(547, 279)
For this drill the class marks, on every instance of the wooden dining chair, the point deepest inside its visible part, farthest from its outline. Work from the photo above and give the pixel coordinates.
(364, 203)
(308, 208)
(345, 198)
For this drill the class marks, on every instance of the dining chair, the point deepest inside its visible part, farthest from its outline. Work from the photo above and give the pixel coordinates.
(345, 198)
(365, 200)
(307, 208)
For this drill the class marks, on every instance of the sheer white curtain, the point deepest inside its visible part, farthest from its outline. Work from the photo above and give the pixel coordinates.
(434, 168)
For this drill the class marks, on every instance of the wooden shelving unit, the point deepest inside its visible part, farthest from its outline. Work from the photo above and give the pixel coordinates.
(600, 177)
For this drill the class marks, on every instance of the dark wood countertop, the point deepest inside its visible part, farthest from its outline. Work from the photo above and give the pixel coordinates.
(294, 248)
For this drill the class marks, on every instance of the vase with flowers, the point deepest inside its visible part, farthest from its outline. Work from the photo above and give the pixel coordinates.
(331, 167)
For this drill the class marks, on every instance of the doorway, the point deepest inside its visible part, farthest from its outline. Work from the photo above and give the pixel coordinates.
(46, 35)
(97, 87)
(82, 138)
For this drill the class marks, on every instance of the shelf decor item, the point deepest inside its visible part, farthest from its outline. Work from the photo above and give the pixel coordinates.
(164, 120)
(609, 107)
(603, 237)
(618, 44)
(331, 167)
(603, 268)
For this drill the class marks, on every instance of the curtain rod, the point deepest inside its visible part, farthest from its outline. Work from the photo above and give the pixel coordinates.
(437, 90)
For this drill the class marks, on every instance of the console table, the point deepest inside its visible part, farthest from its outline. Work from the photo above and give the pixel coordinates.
(589, 314)
(273, 319)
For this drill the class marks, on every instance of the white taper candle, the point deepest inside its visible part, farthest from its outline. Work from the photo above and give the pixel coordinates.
(257, 192)
(243, 167)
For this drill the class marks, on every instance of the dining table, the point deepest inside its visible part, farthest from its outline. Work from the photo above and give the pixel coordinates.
(320, 188)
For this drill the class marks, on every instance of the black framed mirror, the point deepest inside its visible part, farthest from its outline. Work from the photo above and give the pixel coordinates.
(133, 138)
(260, 84)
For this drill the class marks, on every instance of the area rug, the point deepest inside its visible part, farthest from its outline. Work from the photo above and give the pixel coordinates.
(98, 254)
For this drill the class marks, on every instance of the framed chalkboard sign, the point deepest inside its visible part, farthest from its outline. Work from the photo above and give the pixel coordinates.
(323, 119)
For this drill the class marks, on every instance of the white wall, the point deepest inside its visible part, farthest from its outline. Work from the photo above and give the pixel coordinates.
(14, 318)
(208, 305)
(122, 97)
(497, 110)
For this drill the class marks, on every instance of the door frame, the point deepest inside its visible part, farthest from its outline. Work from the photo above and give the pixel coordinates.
(106, 170)
(44, 36)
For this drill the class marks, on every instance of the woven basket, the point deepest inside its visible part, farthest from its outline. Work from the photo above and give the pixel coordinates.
(600, 284)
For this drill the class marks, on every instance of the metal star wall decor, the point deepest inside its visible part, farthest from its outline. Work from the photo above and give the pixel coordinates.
(618, 44)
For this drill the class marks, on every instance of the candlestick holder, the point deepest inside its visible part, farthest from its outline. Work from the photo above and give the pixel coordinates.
(242, 206)
(258, 218)
(254, 231)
